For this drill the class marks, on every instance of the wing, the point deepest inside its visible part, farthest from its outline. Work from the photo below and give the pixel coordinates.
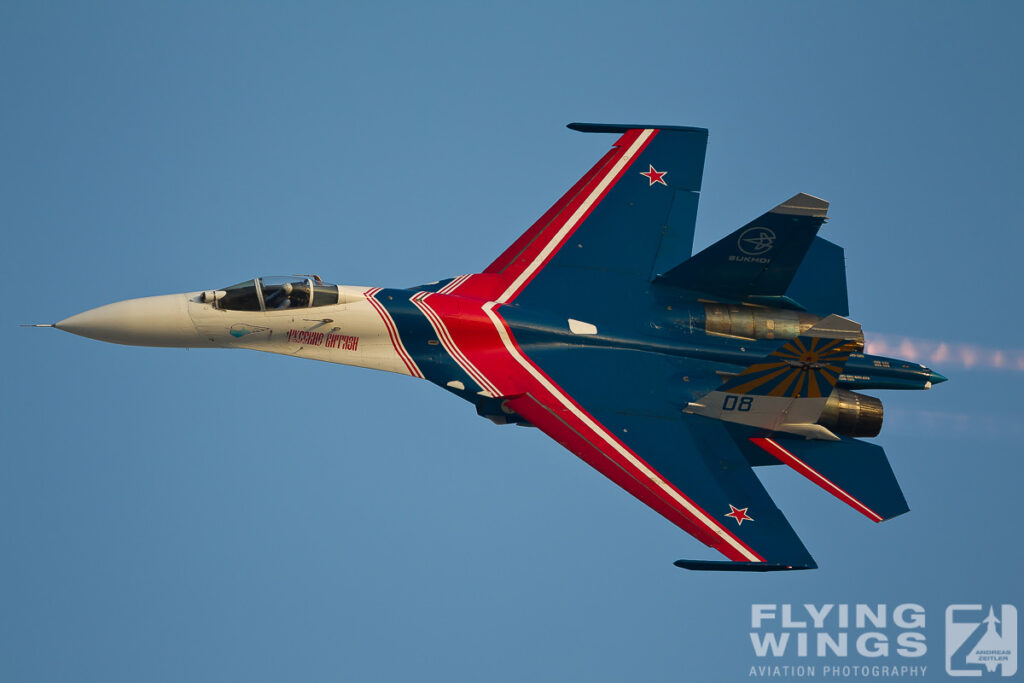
(687, 468)
(629, 218)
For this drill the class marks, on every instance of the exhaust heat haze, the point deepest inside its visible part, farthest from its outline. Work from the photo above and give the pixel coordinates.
(967, 356)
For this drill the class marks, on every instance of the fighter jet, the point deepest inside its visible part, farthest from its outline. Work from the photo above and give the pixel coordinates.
(673, 374)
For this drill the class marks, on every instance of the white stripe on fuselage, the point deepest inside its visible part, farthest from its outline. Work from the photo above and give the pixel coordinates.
(436, 322)
(392, 330)
(451, 286)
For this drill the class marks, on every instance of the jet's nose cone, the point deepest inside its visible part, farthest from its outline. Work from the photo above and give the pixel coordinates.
(936, 378)
(151, 321)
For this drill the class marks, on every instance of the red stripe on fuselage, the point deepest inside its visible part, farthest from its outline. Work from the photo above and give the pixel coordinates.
(441, 329)
(389, 323)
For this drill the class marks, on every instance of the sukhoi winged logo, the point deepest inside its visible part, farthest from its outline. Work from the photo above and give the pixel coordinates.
(756, 241)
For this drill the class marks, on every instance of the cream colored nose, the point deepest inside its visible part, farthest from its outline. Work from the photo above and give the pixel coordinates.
(150, 321)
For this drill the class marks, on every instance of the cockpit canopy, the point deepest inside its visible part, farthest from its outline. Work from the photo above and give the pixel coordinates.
(274, 294)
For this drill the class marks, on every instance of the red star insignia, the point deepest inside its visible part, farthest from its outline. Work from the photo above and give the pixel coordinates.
(739, 514)
(655, 176)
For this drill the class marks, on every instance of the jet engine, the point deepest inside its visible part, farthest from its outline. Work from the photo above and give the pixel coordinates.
(851, 414)
(752, 322)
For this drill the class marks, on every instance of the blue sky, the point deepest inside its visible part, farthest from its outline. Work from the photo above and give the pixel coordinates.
(206, 515)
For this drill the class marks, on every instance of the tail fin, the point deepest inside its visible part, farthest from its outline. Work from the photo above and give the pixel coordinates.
(758, 261)
(820, 282)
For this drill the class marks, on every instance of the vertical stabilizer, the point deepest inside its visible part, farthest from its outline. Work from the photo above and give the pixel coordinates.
(758, 261)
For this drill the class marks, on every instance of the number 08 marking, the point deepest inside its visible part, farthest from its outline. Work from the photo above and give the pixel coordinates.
(740, 403)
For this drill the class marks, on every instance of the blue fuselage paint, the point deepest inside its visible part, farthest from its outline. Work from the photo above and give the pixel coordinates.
(673, 331)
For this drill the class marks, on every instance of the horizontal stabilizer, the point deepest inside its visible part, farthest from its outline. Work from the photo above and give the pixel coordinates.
(726, 566)
(760, 259)
(855, 472)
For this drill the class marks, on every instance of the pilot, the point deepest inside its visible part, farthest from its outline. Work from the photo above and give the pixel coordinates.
(281, 298)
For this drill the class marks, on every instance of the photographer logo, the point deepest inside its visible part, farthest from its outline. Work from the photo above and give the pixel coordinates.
(981, 640)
